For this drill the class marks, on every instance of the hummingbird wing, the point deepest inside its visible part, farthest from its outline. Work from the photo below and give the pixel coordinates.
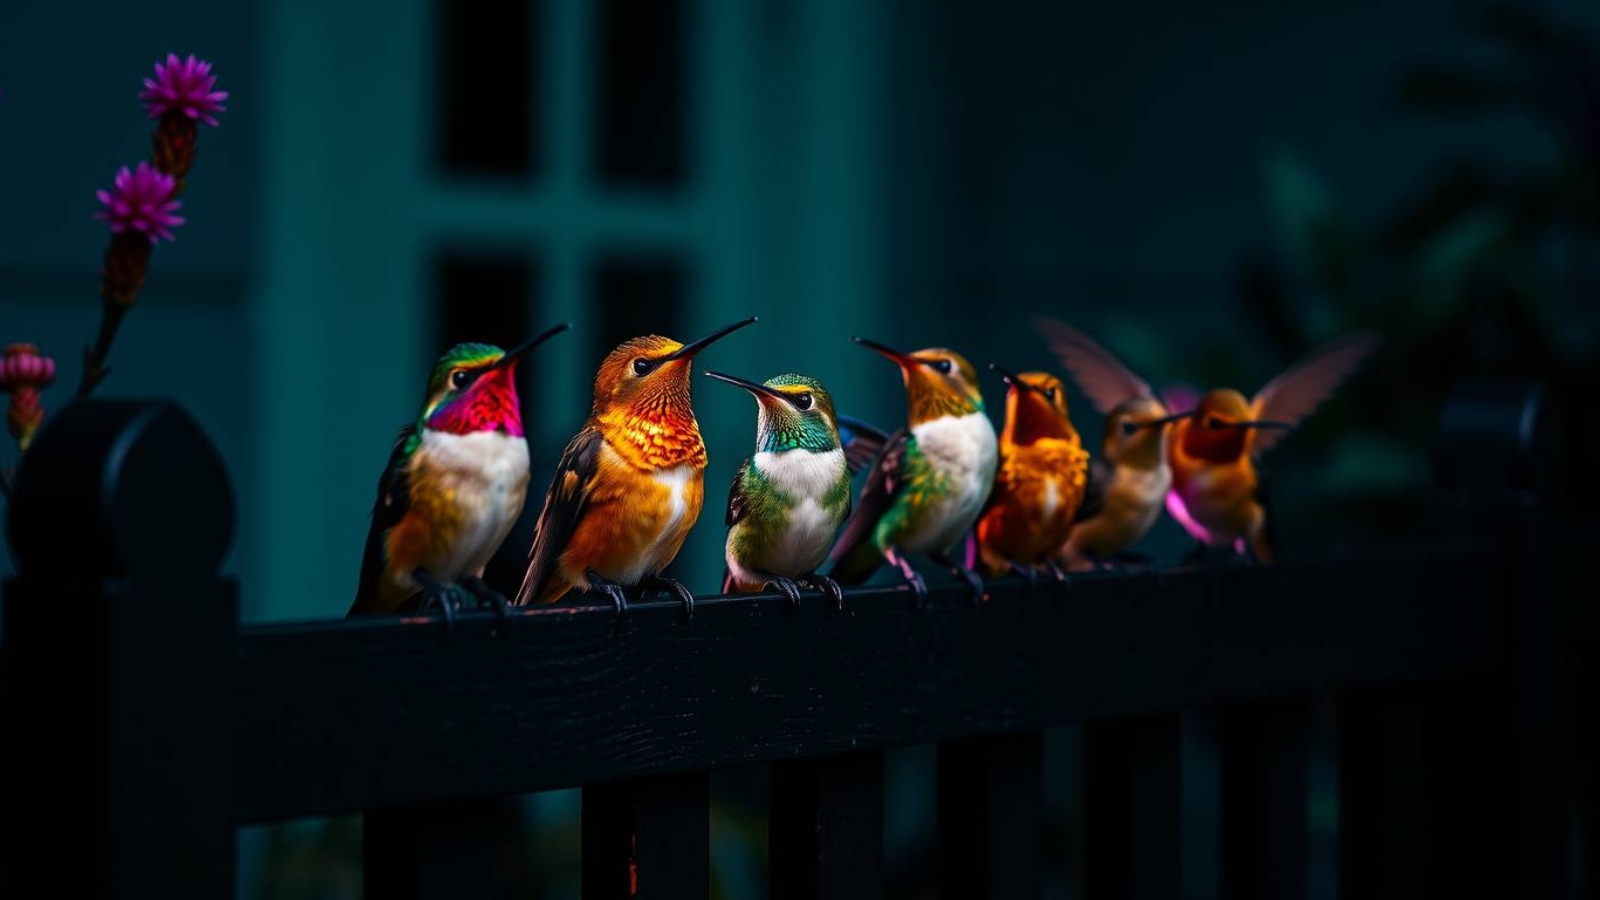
(1094, 492)
(1097, 373)
(736, 495)
(564, 505)
(1296, 393)
(877, 493)
(861, 441)
(393, 499)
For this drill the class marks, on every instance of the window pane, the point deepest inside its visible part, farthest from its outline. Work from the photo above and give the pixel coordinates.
(487, 105)
(634, 296)
(640, 60)
(492, 299)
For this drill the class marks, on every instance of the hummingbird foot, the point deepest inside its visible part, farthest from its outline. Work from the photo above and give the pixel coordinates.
(912, 577)
(1055, 571)
(1026, 573)
(619, 597)
(488, 596)
(965, 573)
(785, 586)
(669, 585)
(435, 594)
(827, 587)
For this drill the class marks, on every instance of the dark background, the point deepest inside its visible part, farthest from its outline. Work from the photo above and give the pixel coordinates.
(1210, 189)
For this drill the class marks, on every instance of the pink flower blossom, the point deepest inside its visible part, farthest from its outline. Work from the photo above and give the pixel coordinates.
(141, 201)
(183, 85)
(22, 366)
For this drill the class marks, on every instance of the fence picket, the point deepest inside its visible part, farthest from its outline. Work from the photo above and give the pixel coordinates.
(1133, 791)
(648, 839)
(990, 804)
(825, 828)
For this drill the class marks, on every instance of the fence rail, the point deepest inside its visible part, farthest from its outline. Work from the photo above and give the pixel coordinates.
(159, 725)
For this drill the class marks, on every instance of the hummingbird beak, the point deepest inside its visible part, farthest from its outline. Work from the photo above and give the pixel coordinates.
(521, 350)
(1011, 379)
(1164, 420)
(687, 351)
(904, 359)
(760, 391)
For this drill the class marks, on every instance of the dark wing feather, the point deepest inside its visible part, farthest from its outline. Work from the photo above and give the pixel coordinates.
(564, 504)
(1306, 385)
(393, 498)
(1094, 492)
(861, 441)
(736, 495)
(877, 493)
(1098, 374)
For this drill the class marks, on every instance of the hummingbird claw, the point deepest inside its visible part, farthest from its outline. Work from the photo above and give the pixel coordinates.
(619, 598)
(488, 596)
(828, 588)
(913, 578)
(1027, 573)
(973, 579)
(787, 588)
(670, 585)
(1056, 572)
(435, 594)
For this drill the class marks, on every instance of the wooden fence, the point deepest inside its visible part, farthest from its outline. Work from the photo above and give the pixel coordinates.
(144, 725)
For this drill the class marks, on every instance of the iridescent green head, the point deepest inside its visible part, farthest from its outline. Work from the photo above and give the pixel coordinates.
(794, 413)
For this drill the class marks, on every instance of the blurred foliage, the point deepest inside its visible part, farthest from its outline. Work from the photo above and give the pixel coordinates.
(1486, 269)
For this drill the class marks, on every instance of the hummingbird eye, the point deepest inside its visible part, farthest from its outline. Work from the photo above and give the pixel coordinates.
(1214, 423)
(942, 366)
(459, 378)
(642, 366)
(1050, 394)
(1129, 428)
(802, 401)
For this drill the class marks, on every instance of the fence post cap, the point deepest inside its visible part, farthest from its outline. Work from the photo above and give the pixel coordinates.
(121, 487)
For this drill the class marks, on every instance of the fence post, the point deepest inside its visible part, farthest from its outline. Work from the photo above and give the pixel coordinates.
(990, 816)
(119, 650)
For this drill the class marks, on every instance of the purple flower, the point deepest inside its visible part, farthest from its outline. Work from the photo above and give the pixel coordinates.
(141, 201)
(184, 85)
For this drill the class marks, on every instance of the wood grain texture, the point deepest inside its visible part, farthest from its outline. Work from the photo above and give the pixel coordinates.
(342, 715)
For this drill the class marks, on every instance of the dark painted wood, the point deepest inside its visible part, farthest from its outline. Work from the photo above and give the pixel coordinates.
(990, 805)
(444, 849)
(648, 839)
(1380, 775)
(566, 697)
(1263, 755)
(825, 828)
(118, 778)
(1133, 840)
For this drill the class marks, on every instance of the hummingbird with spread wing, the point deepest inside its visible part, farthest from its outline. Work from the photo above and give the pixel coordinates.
(631, 483)
(453, 487)
(1215, 449)
(1128, 484)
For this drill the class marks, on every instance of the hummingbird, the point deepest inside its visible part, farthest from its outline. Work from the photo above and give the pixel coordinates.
(930, 478)
(788, 500)
(630, 484)
(1215, 449)
(453, 487)
(1128, 485)
(1040, 482)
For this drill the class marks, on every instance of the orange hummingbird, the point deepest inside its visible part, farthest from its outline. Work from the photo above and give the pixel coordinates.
(1215, 449)
(1040, 482)
(1128, 484)
(630, 484)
